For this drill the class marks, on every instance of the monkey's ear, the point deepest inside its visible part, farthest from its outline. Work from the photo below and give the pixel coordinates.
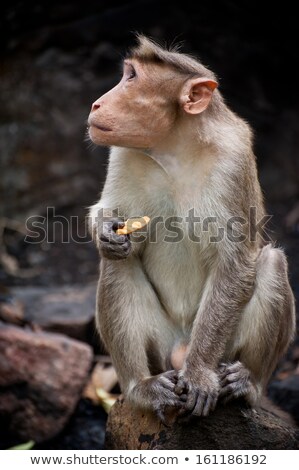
(196, 94)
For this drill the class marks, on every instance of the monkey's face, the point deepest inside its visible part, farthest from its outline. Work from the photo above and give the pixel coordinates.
(138, 112)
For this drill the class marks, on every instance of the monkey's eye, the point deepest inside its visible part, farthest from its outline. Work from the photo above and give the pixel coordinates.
(131, 73)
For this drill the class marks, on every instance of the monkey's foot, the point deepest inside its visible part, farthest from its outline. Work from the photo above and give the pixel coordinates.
(235, 381)
(159, 391)
(165, 398)
(202, 393)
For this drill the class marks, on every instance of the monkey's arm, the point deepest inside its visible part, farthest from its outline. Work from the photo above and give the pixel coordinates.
(228, 288)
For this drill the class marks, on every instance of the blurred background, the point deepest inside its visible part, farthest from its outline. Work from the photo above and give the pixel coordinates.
(58, 57)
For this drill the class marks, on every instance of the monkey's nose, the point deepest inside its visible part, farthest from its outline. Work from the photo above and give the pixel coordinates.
(95, 106)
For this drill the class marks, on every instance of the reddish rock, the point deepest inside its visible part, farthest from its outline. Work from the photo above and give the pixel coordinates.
(68, 310)
(41, 379)
(11, 310)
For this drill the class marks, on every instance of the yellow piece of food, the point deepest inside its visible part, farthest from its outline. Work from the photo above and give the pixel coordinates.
(131, 225)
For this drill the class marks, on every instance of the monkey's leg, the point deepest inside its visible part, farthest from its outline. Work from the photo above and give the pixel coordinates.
(265, 330)
(138, 335)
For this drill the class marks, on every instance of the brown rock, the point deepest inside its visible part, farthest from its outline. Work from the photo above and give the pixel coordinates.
(11, 311)
(231, 427)
(68, 310)
(41, 379)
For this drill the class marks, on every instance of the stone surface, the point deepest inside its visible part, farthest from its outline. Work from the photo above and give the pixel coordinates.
(231, 427)
(11, 310)
(69, 309)
(41, 379)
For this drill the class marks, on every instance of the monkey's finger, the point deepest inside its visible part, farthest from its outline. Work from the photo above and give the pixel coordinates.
(165, 383)
(116, 244)
(209, 404)
(115, 252)
(181, 385)
(171, 375)
(226, 390)
(187, 407)
(183, 397)
(222, 368)
(215, 401)
(119, 239)
(234, 387)
(206, 406)
(229, 378)
(161, 416)
(116, 249)
(235, 367)
(232, 368)
(200, 403)
(117, 224)
(109, 237)
(105, 237)
(236, 390)
(224, 373)
(192, 397)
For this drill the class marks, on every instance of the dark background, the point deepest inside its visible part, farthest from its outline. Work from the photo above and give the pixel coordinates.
(58, 57)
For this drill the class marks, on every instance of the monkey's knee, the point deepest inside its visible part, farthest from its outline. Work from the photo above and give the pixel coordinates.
(272, 269)
(276, 296)
(267, 322)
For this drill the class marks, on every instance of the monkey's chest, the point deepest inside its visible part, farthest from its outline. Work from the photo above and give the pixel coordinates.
(176, 268)
(178, 249)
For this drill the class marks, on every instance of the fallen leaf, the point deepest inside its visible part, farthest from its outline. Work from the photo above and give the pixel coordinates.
(103, 378)
(26, 446)
(106, 399)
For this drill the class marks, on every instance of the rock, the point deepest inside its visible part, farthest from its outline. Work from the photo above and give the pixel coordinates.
(285, 393)
(85, 430)
(41, 379)
(68, 310)
(11, 310)
(234, 426)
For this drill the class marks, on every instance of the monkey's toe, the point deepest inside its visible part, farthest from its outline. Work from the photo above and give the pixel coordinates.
(198, 403)
(234, 380)
(205, 404)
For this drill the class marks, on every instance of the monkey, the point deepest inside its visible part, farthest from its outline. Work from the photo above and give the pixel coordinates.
(191, 322)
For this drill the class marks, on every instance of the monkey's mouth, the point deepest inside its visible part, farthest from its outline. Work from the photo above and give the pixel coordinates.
(100, 127)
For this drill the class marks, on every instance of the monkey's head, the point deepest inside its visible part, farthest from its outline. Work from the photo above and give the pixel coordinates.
(157, 88)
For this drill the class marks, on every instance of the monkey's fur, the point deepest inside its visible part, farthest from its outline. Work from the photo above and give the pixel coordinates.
(186, 323)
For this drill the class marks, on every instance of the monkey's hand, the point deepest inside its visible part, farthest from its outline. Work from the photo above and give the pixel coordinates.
(202, 388)
(159, 392)
(111, 245)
